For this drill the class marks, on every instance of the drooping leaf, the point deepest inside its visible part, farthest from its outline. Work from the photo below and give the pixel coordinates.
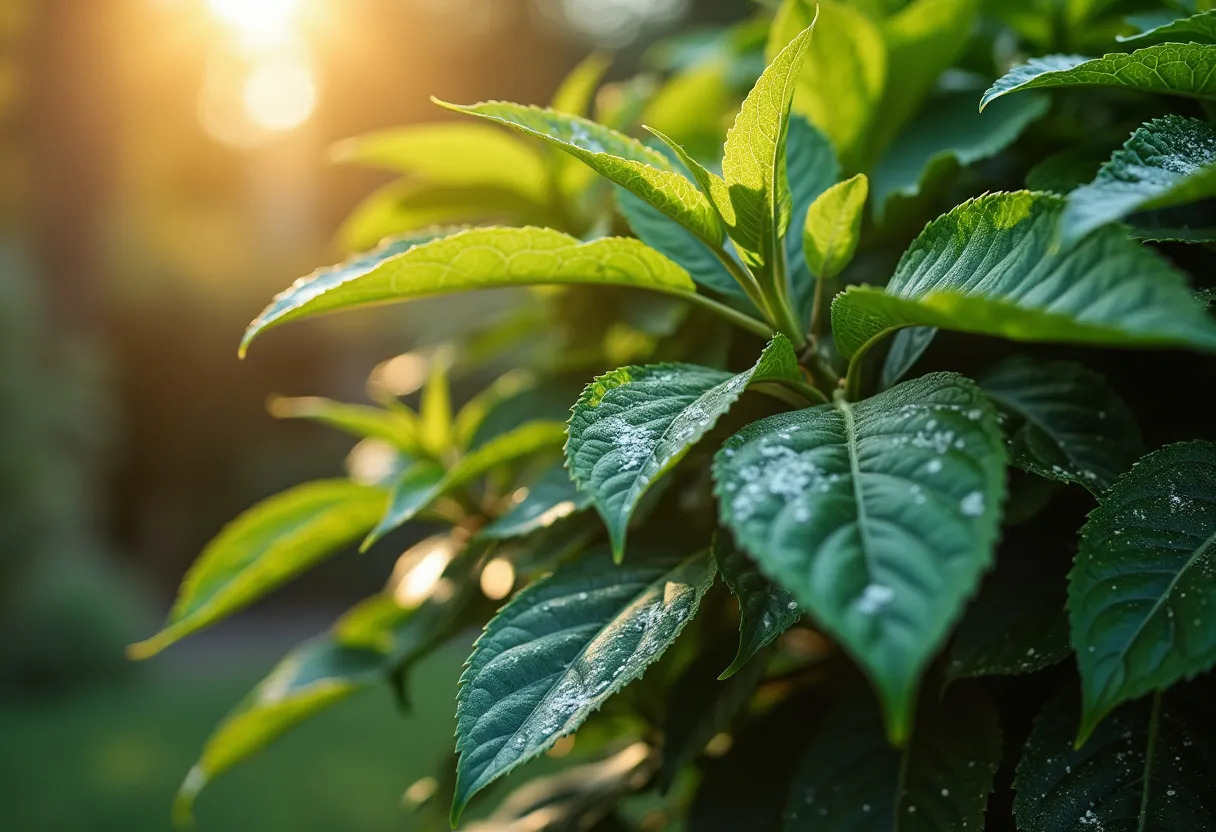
(1198, 28)
(479, 258)
(393, 426)
(833, 227)
(1063, 421)
(1141, 591)
(559, 649)
(263, 548)
(1148, 767)
(552, 497)
(634, 424)
(766, 610)
(618, 157)
(907, 347)
(851, 780)
(1184, 69)
(1169, 161)
(992, 266)
(878, 516)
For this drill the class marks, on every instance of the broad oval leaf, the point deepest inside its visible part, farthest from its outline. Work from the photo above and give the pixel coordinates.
(851, 780)
(618, 157)
(479, 258)
(552, 497)
(1169, 161)
(263, 548)
(397, 427)
(1141, 590)
(766, 610)
(634, 424)
(833, 227)
(1198, 28)
(559, 649)
(1148, 768)
(1063, 421)
(1187, 69)
(993, 266)
(879, 516)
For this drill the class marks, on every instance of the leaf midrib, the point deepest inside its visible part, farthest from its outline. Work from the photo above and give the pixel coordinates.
(850, 430)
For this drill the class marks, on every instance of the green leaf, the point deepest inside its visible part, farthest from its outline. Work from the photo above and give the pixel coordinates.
(1141, 591)
(475, 418)
(753, 164)
(907, 347)
(435, 428)
(1169, 161)
(1184, 69)
(1063, 421)
(991, 266)
(851, 780)
(423, 483)
(766, 610)
(843, 75)
(577, 90)
(949, 134)
(479, 258)
(552, 497)
(1148, 767)
(878, 516)
(1198, 28)
(622, 159)
(263, 548)
(833, 226)
(813, 168)
(393, 426)
(559, 649)
(632, 425)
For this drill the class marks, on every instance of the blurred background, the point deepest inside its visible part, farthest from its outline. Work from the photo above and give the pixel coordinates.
(164, 169)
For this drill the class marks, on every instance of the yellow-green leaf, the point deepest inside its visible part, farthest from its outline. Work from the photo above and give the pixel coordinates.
(833, 226)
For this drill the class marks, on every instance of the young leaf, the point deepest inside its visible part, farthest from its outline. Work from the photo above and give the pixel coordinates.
(1169, 161)
(1063, 421)
(575, 94)
(1198, 28)
(397, 427)
(622, 159)
(833, 225)
(559, 649)
(851, 780)
(992, 266)
(766, 610)
(1185, 69)
(634, 424)
(1149, 766)
(552, 497)
(879, 516)
(263, 548)
(753, 164)
(1140, 592)
(479, 258)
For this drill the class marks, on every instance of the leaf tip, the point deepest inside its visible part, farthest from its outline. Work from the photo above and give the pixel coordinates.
(183, 801)
(149, 647)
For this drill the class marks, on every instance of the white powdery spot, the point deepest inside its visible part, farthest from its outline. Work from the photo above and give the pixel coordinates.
(633, 442)
(972, 505)
(874, 598)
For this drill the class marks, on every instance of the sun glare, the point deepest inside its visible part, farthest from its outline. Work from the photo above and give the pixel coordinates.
(255, 18)
(280, 94)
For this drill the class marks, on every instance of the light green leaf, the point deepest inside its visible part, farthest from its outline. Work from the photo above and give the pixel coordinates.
(851, 780)
(1148, 767)
(552, 497)
(435, 428)
(753, 164)
(425, 482)
(991, 266)
(843, 75)
(634, 424)
(397, 427)
(1169, 161)
(616, 156)
(766, 610)
(1063, 421)
(1186, 69)
(946, 135)
(1141, 591)
(1198, 28)
(479, 258)
(263, 548)
(577, 90)
(833, 227)
(879, 516)
(559, 649)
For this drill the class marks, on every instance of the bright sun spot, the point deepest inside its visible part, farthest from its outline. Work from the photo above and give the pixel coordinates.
(280, 93)
(255, 18)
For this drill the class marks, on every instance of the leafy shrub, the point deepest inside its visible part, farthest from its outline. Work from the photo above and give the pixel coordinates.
(851, 422)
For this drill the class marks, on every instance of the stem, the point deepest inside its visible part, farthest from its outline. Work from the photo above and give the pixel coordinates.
(743, 277)
(786, 321)
(816, 325)
(739, 319)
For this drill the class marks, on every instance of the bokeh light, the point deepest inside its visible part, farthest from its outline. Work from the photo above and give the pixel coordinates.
(280, 94)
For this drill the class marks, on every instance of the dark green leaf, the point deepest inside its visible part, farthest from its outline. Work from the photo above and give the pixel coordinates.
(907, 347)
(813, 168)
(552, 497)
(765, 609)
(1198, 28)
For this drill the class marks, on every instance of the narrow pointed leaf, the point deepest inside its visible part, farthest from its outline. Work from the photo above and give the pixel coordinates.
(480, 258)
(907, 347)
(1184, 69)
(833, 227)
(559, 649)
(851, 780)
(397, 427)
(1198, 28)
(766, 610)
(1141, 591)
(435, 428)
(634, 424)
(1169, 161)
(552, 497)
(263, 548)
(992, 266)
(577, 90)
(879, 517)
(414, 489)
